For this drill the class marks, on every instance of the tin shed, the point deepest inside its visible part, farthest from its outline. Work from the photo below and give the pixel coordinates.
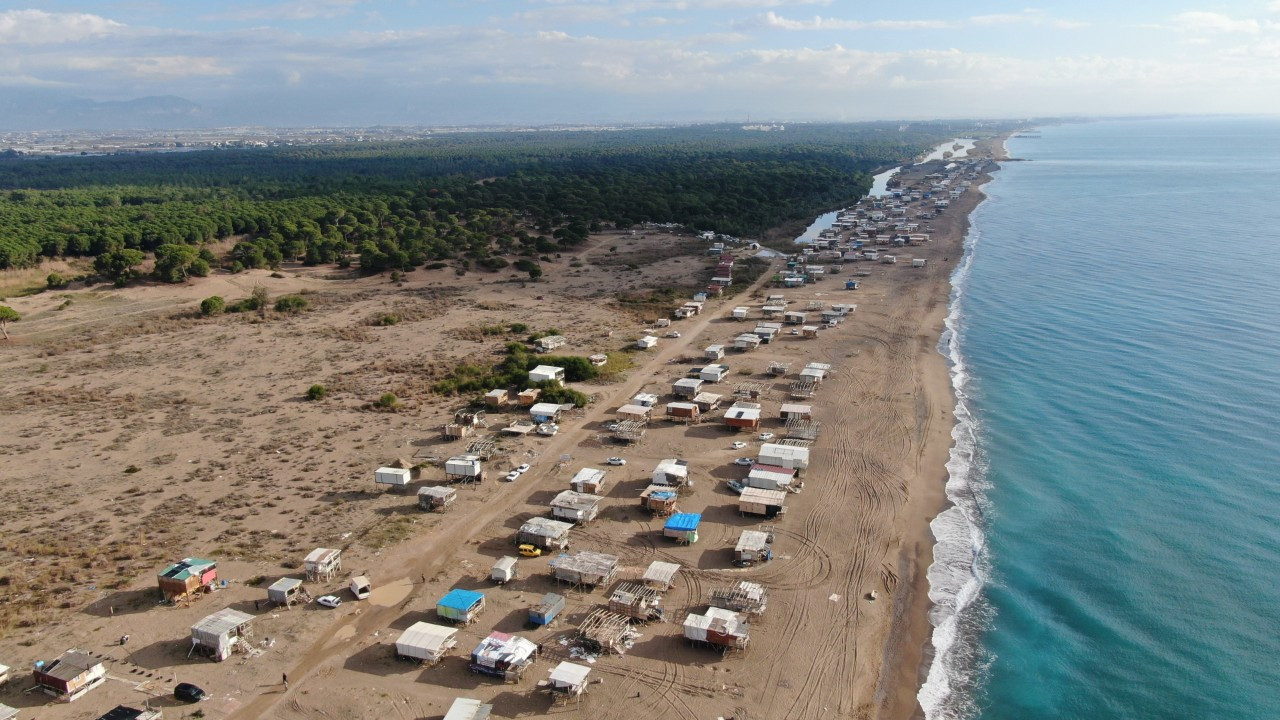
(436, 497)
(683, 527)
(460, 606)
(426, 643)
(70, 676)
(544, 533)
(588, 480)
(322, 564)
(392, 477)
(468, 709)
(285, 591)
(218, 634)
(547, 609)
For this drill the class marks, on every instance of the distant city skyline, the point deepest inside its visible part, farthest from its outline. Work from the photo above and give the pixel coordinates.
(364, 62)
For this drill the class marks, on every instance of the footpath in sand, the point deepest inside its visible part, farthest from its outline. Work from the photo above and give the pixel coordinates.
(823, 649)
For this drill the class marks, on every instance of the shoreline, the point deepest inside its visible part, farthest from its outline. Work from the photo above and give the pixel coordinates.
(909, 648)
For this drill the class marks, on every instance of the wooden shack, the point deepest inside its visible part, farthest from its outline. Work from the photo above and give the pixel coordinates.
(584, 568)
(573, 506)
(70, 675)
(187, 578)
(221, 634)
(744, 597)
(604, 631)
(544, 533)
(637, 601)
(588, 480)
(659, 499)
(755, 501)
(436, 497)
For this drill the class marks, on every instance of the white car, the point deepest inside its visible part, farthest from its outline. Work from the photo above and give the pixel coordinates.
(329, 601)
(744, 461)
(615, 461)
(511, 476)
(673, 334)
(522, 469)
(766, 436)
(738, 445)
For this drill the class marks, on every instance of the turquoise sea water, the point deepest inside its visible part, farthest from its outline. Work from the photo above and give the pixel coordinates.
(1114, 551)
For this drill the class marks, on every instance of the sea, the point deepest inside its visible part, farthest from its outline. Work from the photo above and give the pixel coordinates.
(1113, 547)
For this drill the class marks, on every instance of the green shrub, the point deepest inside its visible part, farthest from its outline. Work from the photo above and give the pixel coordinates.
(388, 401)
(388, 319)
(213, 305)
(55, 281)
(291, 304)
(317, 392)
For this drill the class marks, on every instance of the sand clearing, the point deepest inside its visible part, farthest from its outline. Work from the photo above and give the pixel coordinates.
(232, 464)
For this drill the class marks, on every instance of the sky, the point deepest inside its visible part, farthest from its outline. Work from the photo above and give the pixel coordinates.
(364, 62)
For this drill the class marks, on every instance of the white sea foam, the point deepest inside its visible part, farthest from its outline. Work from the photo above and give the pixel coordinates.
(958, 571)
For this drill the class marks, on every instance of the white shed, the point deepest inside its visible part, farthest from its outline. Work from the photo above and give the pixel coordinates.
(713, 352)
(425, 642)
(573, 506)
(395, 477)
(544, 373)
(322, 563)
(713, 373)
(646, 342)
(545, 412)
(504, 570)
(671, 472)
(568, 679)
(588, 480)
(786, 456)
(468, 709)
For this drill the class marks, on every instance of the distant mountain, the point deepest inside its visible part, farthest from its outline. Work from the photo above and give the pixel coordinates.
(23, 109)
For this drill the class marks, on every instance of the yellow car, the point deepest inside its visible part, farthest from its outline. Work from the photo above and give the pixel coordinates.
(530, 550)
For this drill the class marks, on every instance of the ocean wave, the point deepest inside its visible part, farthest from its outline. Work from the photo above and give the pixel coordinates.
(959, 569)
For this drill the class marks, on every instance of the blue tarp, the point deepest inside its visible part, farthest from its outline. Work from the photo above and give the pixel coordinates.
(684, 522)
(460, 600)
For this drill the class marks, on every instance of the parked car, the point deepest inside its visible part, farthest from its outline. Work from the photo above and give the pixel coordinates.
(736, 486)
(738, 445)
(329, 601)
(187, 692)
(511, 476)
(528, 550)
(673, 334)
(615, 461)
(744, 461)
(522, 469)
(766, 436)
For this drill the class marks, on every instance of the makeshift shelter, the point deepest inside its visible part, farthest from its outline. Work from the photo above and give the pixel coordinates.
(706, 401)
(746, 341)
(69, 676)
(671, 471)
(322, 564)
(636, 601)
(119, 712)
(585, 567)
(497, 398)
(755, 501)
(546, 610)
(753, 547)
(687, 411)
(550, 342)
(544, 533)
(436, 497)
(503, 656)
(630, 431)
(568, 681)
(713, 373)
(743, 416)
(468, 709)
(740, 312)
(686, 387)
(460, 606)
(187, 577)
(786, 456)
(503, 570)
(745, 597)
(646, 342)
(286, 591)
(634, 412)
(644, 399)
(546, 373)
(718, 627)
(528, 396)
(588, 480)
(219, 634)
(360, 587)
(603, 631)
(426, 643)
(392, 477)
(464, 468)
(791, 411)
(575, 507)
(661, 574)
(545, 412)
(683, 527)
(659, 499)
(713, 352)
(769, 477)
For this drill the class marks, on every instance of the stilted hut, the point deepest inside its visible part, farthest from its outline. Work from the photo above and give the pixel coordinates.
(187, 578)
(460, 606)
(568, 682)
(322, 564)
(220, 634)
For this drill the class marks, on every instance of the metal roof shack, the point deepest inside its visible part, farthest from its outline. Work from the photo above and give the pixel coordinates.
(67, 678)
(743, 416)
(686, 387)
(460, 606)
(770, 477)
(568, 681)
(645, 399)
(787, 456)
(575, 507)
(585, 567)
(588, 480)
(503, 656)
(671, 471)
(633, 412)
(468, 709)
(604, 631)
(186, 578)
(546, 373)
(745, 597)
(661, 574)
(546, 610)
(683, 527)
(659, 499)
(219, 634)
(637, 601)
(753, 547)
(684, 410)
(436, 497)
(425, 642)
(746, 341)
(286, 591)
(718, 627)
(796, 410)
(544, 533)
(706, 401)
(755, 501)
(322, 564)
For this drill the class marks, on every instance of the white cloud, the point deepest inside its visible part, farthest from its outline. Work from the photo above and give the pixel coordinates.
(155, 66)
(293, 10)
(37, 27)
(773, 20)
(1211, 22)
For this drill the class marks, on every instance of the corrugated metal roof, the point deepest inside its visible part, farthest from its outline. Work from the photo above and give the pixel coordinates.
(222, 622)
(570, 674)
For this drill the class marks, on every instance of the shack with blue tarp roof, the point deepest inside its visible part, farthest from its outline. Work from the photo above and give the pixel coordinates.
(683, 527)
(460, 606)
(659, 499)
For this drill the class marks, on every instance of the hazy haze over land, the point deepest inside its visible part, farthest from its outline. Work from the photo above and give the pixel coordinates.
(332, 62)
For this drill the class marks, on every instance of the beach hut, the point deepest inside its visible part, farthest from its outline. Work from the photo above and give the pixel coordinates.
(755, 501)
(426, 643)
(545, 412)
(635, 412)
(684, 411)
(460, 606)
(769, 477)
(503, 570)
(713, 373)
(464, 468)
(671, 471)
(576, 507)
(218, 635)
(661, 574)
(468, 709)
(588, 480)
(637, 601)
(683, 527)
(568, 681)
(743, 416)
(392, 477)
(795, 411)
(766, 333)
(686, 387)
(644, 399)
(436, 497)
(544, 533)
(503, 656)
(791, 457)
(718, 627)
(546, 609)
(585, 567)
(746, 341)
(186, 578)
(69, 676)
(659, 499)
(286, 591)
(713, 352)
(322, 564)
(753, 547)
(546, 373)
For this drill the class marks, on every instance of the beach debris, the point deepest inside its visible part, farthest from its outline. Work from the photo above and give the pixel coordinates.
(834, 598)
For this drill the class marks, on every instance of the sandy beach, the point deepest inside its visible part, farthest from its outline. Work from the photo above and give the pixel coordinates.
(137, 434)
